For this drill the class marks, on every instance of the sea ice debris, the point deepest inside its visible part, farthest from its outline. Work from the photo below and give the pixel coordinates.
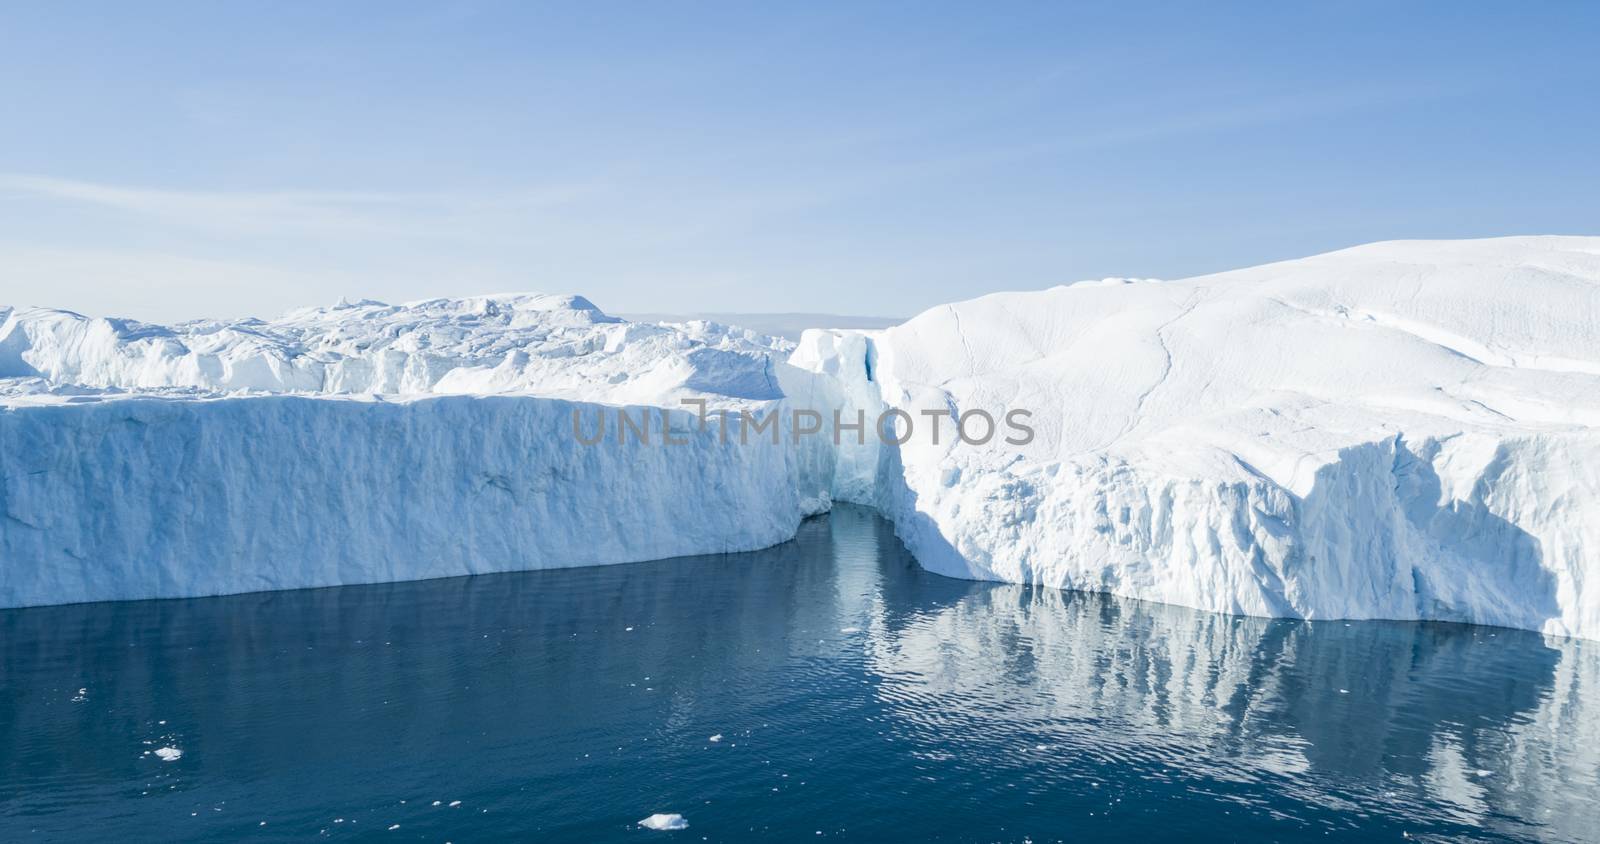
(665, 822)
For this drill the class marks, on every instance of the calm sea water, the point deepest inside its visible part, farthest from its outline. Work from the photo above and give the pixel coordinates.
(855, 696)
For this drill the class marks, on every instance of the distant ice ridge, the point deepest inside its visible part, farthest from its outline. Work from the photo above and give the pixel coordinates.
(556, 346)
(1401, 430)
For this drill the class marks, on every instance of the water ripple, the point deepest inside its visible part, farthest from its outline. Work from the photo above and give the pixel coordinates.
(855, 695)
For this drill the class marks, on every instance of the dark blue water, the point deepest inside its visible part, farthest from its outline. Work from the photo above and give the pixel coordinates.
(858, 698)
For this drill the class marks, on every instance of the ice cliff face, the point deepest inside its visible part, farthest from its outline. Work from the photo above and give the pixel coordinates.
(1402, 430)
(157, 497)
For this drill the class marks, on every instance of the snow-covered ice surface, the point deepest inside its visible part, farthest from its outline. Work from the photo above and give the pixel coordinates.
(554, 346)
(788, 326)
(1400, 430)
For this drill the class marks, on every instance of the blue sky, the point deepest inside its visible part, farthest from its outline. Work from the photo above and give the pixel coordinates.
(176, 161)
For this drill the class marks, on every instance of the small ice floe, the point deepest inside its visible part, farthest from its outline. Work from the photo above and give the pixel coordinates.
(454, 803)
(665, 822)
(717, 737)
(1482, 773)
(848, 630)
(627, 629)
(81, 696)
(169, 754)
(393, 828)
(1344, 691)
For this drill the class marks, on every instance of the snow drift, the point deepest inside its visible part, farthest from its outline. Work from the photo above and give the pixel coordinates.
(1402, 430)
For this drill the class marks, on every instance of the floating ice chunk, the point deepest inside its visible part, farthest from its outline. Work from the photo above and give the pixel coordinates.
(665, 822)
(717, 737)
(169, 754)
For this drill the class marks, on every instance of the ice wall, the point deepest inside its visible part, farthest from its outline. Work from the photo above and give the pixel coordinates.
(156, 497)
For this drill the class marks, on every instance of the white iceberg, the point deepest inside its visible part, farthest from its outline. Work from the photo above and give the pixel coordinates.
(368, 443)
(665, 822)
(1402, 430)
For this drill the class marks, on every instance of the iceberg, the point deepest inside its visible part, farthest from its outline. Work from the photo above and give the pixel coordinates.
(367, 443)
(1402, 430)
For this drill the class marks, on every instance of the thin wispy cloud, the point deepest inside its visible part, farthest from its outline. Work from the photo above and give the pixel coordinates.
(1157, 126)
(299, 212)
(645, 209)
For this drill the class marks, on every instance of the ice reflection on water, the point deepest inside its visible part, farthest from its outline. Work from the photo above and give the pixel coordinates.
(859, 697)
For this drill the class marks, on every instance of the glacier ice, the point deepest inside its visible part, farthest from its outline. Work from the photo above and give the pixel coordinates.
(159, 497)
(555, 346)
(368, 443)
(1400, 430)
